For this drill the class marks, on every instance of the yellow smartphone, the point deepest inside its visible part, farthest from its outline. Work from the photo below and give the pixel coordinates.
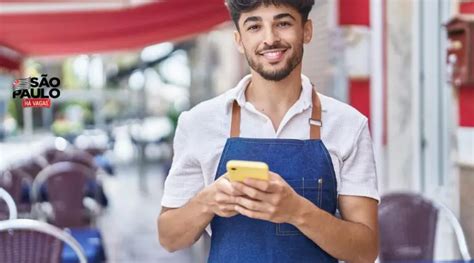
(239, 170)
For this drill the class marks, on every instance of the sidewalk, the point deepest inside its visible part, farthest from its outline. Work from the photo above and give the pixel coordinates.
(129, 223)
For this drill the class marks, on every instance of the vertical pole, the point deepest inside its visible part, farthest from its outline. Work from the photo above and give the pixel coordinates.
(376, 86)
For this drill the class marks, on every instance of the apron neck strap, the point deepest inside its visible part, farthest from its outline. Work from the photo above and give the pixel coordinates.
(235, 124)
(315, 122)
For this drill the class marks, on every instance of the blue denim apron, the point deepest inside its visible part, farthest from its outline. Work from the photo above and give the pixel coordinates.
(306, 166)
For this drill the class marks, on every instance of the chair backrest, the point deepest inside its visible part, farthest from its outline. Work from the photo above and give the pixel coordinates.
(408, 227)
(33, 166)
(50, 154)
(454, 222)
(12, 181)
(94, 151)
(76, 156)
(25, 240)
(65, 185)
(407, 224)
(6, 199)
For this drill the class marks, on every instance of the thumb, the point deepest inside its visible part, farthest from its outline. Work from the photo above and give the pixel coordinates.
(274, 176)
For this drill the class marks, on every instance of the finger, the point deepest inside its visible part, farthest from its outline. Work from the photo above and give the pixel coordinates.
(251, 192)
(274, 184)
(250, 213)
(262, 185)
(274, 176)
(222, 198)
(226, 187)
(227, 207)
(251, 204)
(228, 214)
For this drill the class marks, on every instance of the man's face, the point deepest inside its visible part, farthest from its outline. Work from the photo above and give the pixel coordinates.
(272, 38)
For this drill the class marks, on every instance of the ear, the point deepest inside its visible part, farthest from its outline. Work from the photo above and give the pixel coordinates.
(307, 31)
(238, 41)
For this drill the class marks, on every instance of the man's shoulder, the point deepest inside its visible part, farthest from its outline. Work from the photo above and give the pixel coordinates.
(341, 113)
(342, 126)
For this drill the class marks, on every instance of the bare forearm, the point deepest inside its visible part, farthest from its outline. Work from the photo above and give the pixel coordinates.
(348, 241)
(180, 228)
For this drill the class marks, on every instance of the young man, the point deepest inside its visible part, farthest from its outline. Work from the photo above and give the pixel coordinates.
(318, 149)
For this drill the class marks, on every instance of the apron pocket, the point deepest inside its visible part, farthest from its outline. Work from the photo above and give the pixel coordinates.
(311, 189)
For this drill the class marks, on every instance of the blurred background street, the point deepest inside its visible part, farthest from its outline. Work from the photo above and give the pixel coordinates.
(95, 161)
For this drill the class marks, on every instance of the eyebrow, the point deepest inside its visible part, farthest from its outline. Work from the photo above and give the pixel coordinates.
(276, 17)
(281, 16)
(252, 19)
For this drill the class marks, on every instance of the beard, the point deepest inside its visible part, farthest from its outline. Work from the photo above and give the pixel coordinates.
(276, 74)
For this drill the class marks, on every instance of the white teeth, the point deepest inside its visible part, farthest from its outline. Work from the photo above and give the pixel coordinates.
(273, 55)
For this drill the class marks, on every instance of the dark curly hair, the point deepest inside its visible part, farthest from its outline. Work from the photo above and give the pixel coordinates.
(237, 7)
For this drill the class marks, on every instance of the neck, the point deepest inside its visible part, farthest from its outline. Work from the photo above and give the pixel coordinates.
(274, 96)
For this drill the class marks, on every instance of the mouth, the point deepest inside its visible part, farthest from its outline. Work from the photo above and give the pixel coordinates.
(274, 55)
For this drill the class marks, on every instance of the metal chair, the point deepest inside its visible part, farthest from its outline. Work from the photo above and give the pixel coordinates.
(26, 240)
(33, 165)
(76, 156)
(17, 183)
(51, 154)
(407, 224)
(65, 185)
(7, 198)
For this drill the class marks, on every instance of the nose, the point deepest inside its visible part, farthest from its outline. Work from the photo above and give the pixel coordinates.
(271, 36)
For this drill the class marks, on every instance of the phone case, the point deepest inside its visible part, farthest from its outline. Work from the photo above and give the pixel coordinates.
(239, 170)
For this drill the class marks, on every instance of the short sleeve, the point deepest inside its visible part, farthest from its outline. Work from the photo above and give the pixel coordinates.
(185, 177)
(358, 173)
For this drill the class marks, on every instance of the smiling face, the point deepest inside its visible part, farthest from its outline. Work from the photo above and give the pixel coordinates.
(272, 38)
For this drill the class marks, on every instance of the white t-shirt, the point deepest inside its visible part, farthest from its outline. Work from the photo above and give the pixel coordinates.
(202, 132)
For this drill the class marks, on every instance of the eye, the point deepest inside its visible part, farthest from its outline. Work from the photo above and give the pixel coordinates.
(284, 24)
(253, 28)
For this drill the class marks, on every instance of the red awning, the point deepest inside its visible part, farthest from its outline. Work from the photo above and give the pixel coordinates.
(354, 12)
(60, 33)
(9, 59)
(466, 7)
